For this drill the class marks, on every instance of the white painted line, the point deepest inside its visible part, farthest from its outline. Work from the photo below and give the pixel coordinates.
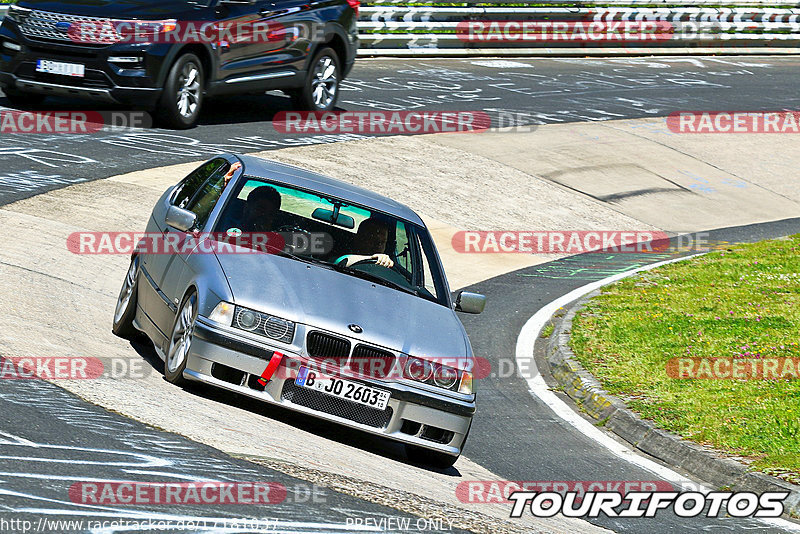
(538, 388)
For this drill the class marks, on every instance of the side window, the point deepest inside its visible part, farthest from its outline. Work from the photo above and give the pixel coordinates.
(427, 281)
(206, 198)
(192, 183)
(402, 247)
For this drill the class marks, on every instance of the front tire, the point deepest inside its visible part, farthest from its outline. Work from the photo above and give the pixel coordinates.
(182, 99)
(180, 341)
(321, 89)
(125, 311)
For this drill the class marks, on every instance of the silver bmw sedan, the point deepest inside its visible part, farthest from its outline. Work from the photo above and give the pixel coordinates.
(296, 289)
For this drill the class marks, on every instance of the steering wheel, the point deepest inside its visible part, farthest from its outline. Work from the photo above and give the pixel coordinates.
(294, 229)
(366, 261)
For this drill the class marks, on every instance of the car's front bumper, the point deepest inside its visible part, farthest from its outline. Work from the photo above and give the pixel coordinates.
(412, 416)
(136, 85)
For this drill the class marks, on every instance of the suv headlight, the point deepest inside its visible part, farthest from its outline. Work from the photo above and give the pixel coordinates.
(438, 374)
(261, 323)
(17, 14)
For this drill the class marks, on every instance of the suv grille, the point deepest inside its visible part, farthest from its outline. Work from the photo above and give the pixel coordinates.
(42, 25)
(334, 406)
(372, 361)
(326, 346)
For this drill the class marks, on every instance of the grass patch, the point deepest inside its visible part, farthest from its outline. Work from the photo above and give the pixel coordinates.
(547, 331)
(740, 303)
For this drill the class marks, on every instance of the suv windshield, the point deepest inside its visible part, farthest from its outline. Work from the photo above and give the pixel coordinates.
(354, 240)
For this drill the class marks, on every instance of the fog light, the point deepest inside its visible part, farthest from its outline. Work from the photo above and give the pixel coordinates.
(12, 46)
(124, 59)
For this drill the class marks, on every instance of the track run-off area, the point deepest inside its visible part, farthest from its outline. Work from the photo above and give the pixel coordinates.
(591, 150)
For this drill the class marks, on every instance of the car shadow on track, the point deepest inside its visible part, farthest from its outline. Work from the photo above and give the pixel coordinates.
(386, 448)
(239, 109)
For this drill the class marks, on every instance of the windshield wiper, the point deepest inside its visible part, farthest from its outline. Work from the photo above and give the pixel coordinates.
(305, 259)
(375, 278)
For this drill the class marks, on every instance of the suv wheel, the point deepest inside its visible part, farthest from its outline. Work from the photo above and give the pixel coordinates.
(182, 98)
(321, 89)
(22, 100)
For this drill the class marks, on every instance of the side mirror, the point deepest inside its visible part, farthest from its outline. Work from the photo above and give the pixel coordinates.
(467, 302)
(180, 219)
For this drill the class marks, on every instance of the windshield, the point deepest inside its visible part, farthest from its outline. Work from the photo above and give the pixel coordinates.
(354, 240)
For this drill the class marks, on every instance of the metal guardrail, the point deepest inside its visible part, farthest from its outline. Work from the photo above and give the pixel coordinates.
(392, 28)
(395, 28)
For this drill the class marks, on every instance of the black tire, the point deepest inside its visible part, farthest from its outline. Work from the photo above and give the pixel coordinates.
(125, 311)
(303, 98)
(22, 100)
(421, 455)
(182, 100)
(173, 371)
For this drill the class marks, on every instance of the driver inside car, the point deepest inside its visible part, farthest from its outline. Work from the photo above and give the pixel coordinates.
(372, 236)
(260, 209)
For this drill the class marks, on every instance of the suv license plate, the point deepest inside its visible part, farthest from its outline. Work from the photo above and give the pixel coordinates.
(62, 69)
(343, 389)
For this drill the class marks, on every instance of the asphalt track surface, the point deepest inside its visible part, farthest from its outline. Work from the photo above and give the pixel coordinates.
(51, 440)
(515, 435)
(529, 91)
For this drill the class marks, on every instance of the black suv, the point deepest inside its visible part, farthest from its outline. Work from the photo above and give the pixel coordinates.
(168, 55)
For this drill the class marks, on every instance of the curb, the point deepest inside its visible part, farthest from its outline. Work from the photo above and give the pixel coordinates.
(585, 390)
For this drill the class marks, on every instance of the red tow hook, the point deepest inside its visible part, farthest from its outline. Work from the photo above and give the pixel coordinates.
(273, 364)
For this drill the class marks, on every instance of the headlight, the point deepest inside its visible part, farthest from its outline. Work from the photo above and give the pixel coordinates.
(141, 28)
(247, 320)
(437, 374)
(419, 370)
(17, 13)
(266, 325)
(445, 377)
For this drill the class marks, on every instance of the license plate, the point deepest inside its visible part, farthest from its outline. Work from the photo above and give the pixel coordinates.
(343, 389)
(62, 69)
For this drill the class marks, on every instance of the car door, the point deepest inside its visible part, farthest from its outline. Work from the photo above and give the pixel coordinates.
(250, 57)
(159, 305)
(202, 204)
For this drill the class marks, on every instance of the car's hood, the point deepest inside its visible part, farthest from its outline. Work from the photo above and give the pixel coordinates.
(330, 300)
(119, 9)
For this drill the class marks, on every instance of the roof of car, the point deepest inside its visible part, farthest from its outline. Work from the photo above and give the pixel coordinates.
(291, 175)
